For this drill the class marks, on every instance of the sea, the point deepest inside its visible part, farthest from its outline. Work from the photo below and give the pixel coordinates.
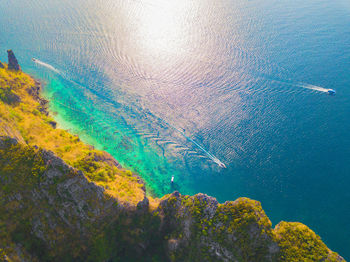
(229, 97)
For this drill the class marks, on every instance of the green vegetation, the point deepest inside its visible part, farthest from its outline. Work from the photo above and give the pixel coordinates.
(7, 96)
(21, 168)
(24, 161)
(197, 228)
(300, 243)
(123, 186)
(240, 227)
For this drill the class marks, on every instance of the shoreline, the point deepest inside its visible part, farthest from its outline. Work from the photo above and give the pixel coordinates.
(33, 124)
(45, 102)
(134, 160)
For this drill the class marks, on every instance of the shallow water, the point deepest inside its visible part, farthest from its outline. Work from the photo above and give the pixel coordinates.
(178, 87)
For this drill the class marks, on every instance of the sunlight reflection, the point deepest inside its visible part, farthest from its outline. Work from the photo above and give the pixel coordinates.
(161, 27)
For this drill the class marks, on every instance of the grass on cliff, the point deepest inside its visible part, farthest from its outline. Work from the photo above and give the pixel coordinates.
(21, 117)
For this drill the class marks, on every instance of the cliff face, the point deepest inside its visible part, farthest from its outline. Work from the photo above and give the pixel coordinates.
(45, 203)
(61, 200)
(198, 228)
(49, 211)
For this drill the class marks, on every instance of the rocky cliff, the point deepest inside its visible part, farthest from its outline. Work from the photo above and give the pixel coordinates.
(62, 200)
(198, 228)
(12, 61)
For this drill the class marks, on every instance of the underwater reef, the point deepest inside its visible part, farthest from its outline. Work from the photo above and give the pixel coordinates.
(63, 200)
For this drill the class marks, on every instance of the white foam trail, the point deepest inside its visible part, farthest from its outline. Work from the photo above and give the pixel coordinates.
(303, 85)
(313, 87)
(48, 66)
(37, 61)
(212, 157)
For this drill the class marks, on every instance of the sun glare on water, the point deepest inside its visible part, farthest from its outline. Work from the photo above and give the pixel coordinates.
(161, 27)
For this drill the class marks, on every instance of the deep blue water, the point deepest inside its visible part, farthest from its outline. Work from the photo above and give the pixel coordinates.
(179, 87)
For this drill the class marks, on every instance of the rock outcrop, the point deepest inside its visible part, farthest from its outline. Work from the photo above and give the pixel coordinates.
(57, 202)
(12, 61)
(34, 91)
(198, 228)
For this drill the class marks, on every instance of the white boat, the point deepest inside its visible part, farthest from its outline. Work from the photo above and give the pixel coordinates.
(222, 165)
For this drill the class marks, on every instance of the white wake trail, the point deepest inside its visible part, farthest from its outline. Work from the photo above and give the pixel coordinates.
(304, 85)
(37, 61)
(62, 74)
(313, 87)
(212, 157)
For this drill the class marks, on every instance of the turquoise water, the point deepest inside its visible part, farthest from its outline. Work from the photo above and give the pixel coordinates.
(186, 87)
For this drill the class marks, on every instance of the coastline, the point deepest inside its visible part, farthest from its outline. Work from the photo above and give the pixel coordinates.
(65, 125)
(111, 134)
(187, 228)
(61, 123)
(99, 166)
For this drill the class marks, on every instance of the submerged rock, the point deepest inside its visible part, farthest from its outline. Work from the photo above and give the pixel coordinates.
(53, 124)
(34, 91)
(12, 61)
(2, 65)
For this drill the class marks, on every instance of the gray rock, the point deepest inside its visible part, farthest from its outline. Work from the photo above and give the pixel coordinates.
(12, 61)
(143, 205)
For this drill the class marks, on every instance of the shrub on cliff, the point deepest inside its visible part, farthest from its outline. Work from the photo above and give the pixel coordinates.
(300, 243)
(8, 97)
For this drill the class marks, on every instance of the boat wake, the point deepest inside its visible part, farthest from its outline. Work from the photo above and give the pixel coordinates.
(304, 85)
(50, 67)
(212, 157)
(316, 88)
(37, 61)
